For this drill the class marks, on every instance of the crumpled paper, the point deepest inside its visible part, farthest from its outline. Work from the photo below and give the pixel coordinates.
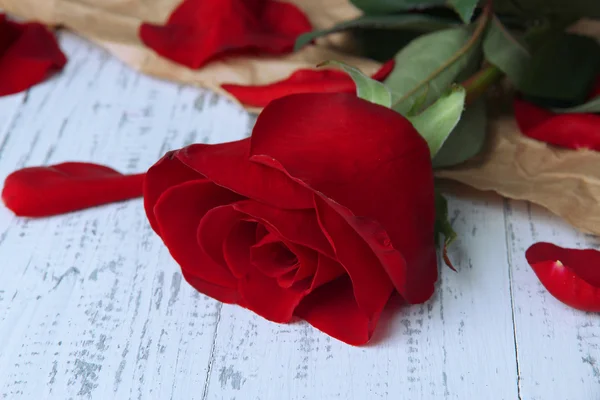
(114, 25)
(567, 182)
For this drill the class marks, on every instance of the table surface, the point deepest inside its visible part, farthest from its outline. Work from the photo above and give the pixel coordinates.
(93, 306)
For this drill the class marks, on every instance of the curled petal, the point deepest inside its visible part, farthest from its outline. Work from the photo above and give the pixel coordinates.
(301, 81)
(62, 188)
(178, 213)
(333, 310)
(571, 276)
(573, 131)
(29, 53)
(227, 165)
(199, 31)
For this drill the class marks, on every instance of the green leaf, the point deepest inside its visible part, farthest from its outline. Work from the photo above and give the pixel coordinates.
(561, 71)
(505, 51)
(464, 8)
(592, 106)
(414, 22)
(443, 226)
(557, 8)
(433, 59)
(467, 139)
(366, 88)
(391, 6)
(437, 121)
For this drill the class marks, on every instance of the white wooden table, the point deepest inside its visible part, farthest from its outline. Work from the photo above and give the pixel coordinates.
(92, 305)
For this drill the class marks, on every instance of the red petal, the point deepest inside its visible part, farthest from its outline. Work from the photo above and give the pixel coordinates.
(367, 158)
(178, 213)
(272, 257)
(236, 248)
(266, 298)
(62, 188)
(333, 309)
(372, 286)
(227, 165)
(297, 226)
(199, 31)
(584, 263)
(571, 276)
(29, 53)
(167, 172)
(214, 228)
(573, 131)
(301, 81)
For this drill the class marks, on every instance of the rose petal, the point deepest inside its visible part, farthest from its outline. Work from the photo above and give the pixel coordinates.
(199, 31)
(214, 228)
(178, 213)
(227, 165)
(584, 263)
(167, 172)
(333, 310)
(570, 275)
(301, 81)
(353, 159)
(296, 226)
(573, 131)
(62, 188)
(236, 248)
(272, 257)
(372, 286)
(266, 298)
(29, 53)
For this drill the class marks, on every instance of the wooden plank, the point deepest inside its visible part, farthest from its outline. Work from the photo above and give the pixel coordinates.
(91, 304)
(558, 347)
(459, 345)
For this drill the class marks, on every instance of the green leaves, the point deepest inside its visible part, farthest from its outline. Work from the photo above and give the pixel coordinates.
(592, 106)
(505, 51)
(467, 138)
(413, 22)
(464, 8)
(366, 88)
(561, 70)
(437, 122)
(433, 60)
(391, 6)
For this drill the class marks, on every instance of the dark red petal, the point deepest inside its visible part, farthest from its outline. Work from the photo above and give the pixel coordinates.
(199, 31)
(236, 248)
(308, 263)
(333, 310)
(228, 165)
(62, 188)
(595, 92)
(573, 131)
(327, 270)
(584, 263)
(296, 226)
(562, 272)
(266, 298)
(167, 172)
(272, 257)
(29, 53)
(372, 286)
(370, 160)
(178, 213)
(301, 81)
(214, 228)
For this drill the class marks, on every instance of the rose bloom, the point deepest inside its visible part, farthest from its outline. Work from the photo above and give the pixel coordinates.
(324, 212)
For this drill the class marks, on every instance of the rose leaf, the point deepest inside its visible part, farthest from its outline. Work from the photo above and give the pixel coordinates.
(467, 138)
(443, 226)
(391, 6)
(366, 88)
(437, 121)
(434, 59)
(464, 8)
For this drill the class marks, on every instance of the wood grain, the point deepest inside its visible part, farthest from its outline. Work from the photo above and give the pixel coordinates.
(92, 306)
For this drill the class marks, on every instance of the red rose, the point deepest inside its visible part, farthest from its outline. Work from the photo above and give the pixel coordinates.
(324, 212)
